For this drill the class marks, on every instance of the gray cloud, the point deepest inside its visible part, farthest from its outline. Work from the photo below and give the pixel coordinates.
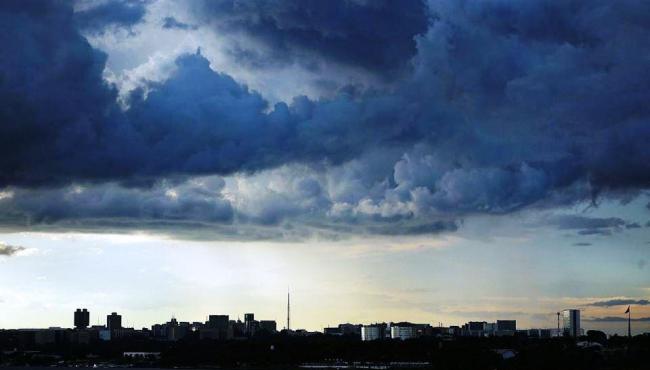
(377, 35)
(621, 302)
(171, 22)
(9, 250)
(582, 244)
(588, 225)
(616, 319)
(120, 13)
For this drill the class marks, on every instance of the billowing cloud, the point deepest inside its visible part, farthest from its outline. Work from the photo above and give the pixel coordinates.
(505, 106)
(9, 250)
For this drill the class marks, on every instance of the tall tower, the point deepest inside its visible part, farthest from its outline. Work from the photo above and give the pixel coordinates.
(288, 311)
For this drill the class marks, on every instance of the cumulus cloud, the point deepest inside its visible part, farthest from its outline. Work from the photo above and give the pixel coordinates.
(506, 106)
(9, 250)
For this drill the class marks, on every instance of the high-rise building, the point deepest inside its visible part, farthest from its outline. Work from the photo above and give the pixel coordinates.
(81, 318)
(571, 323)
(217, 327)
(114, 321)
(250, 323)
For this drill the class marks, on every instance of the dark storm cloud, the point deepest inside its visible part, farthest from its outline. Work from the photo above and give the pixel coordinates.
(375, 35)
(198, 201)
(56, 107)
(121, 13)
(621, 302)
(588, 225)
(9, 250)
(410, 229)
(509, 105)
(171, 22)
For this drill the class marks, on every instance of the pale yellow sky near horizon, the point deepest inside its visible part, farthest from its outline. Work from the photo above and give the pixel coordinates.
(148, 278)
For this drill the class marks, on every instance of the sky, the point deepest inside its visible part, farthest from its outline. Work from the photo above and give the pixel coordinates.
(427, 161)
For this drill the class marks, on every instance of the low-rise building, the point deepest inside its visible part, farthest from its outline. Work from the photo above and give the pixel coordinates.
(403, 330)
(373, 332)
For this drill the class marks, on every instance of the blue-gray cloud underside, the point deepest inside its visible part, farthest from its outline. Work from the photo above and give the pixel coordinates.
(505, 106)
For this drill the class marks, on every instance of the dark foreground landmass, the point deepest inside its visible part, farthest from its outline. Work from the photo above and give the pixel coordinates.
(316, 352)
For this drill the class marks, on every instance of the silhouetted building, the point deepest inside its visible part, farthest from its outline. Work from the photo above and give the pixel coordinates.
(238, 328)
(49, 336)
(114, 321)
(218, 322)
(250, 324)
(217, 327)
(474, 329)
(455, 330)
(81, 318)
(171, 330)
(332, 331)
(346, 329)
(350, 329)
(571, 323)
(127, 333)
(269, 326)
(490, 329)
(506, 327)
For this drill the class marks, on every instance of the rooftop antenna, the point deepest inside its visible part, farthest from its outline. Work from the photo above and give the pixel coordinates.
(288, 310)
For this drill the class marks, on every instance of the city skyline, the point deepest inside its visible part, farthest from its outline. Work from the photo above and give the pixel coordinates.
(83, 319)
(417, 160)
